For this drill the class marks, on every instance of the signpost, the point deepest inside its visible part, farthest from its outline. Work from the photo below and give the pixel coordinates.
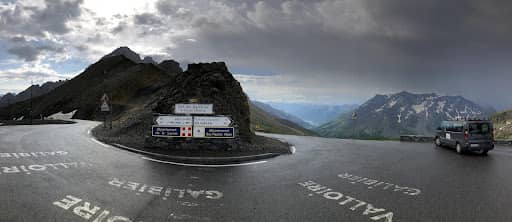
(104, 98)
(166, 131)
(197, 126)
(105, 108)
(174, 120)
(214, 132)
(171, 131)
(193, 108)
(212, 121)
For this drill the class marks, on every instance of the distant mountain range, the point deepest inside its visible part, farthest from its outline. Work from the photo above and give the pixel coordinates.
(281, 114)
(37, 90)
(267, 119)
(388, 116)
(313, 114)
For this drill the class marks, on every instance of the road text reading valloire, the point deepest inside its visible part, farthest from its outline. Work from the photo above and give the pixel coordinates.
(367, 209)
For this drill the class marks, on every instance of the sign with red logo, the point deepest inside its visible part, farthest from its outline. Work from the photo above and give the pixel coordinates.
(186, 131)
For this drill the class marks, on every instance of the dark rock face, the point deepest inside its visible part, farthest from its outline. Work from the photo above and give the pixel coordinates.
(126, 52)
(170, 66)
(149, 60)
(210, 83)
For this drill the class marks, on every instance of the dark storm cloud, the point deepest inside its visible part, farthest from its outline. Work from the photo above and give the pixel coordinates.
(25, 52)
(20, 22)
(119, 28)
(31, 20)
(458, 47)
(146, 19)
(377, 46)
(17, 39)
(30, 53)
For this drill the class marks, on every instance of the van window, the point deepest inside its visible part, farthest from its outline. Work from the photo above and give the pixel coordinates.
(444, 125)
(479, 128)
(454, 126)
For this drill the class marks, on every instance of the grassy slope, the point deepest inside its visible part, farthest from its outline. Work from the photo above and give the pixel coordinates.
(502, 130)
(264, 122)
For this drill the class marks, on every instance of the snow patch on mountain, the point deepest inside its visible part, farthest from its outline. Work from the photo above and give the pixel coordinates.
(392, 103)
(404, 112)
(419, 108)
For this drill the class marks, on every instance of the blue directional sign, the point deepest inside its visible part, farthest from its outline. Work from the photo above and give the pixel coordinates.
(219, 132)
(166, 131)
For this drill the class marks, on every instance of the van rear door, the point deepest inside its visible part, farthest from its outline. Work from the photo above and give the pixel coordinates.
(480, 130)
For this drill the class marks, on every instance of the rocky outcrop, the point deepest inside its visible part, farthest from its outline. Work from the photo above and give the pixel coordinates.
(209, 83)
(170, 66)
(149, 60)
(126, 52)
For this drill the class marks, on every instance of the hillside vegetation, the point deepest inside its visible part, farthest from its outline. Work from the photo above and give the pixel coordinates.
(264, 122)
(502, 125)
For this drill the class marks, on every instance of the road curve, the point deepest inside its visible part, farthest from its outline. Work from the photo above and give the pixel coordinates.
(59, 173)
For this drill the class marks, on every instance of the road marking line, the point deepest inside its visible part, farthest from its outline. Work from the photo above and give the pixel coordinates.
(201, 165)
(98, 142)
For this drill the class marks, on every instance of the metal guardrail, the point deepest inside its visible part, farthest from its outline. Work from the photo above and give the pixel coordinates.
(503, 142)
(416, 138)
(423, 139)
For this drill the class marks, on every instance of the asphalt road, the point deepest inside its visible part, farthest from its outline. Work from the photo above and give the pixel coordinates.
(59, 173)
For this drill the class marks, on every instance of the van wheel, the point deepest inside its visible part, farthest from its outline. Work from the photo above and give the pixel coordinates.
(438, 142)
(458, 148)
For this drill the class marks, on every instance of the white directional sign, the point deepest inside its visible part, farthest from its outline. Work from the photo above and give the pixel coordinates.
(105, 107)
(193, 108)
(174, 120)
(222, 121)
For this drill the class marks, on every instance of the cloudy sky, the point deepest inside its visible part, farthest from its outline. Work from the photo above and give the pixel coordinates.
(317, 51)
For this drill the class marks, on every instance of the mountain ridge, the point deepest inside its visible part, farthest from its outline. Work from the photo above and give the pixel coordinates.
(282, 114)
(37, 90)
(388, 116)
(314, 114)
(131, 87)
